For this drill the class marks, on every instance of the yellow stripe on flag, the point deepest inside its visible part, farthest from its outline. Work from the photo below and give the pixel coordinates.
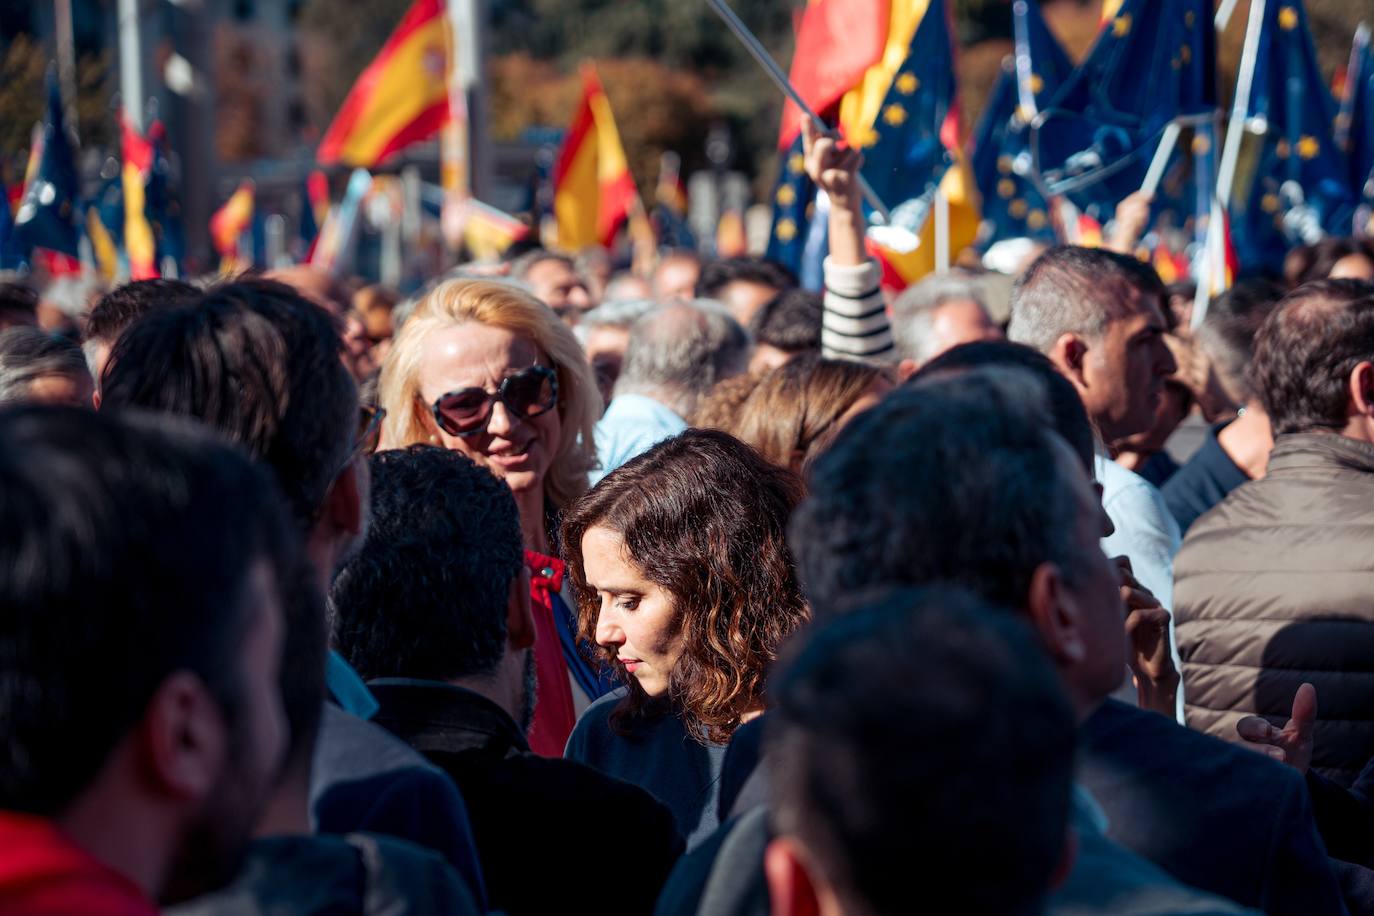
(106, 255)
(860, 106)
(961, 191)
(138, 235)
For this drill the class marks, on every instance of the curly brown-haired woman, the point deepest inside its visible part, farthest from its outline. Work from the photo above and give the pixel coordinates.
(680, 566)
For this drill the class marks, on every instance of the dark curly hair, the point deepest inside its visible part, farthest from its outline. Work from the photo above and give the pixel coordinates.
(704, 516)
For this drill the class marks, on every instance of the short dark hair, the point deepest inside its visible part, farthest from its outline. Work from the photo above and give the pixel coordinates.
(1228, 332)
(16, 299)
(1067, 412)
(1070, 289)
(705, 517)
(721, 272)
(924, 726)
(954, 479)
(790, 321)
(124, 305)
(426, 594)
(1306, 350)
(127, 543)
(1307, 263)
(258, 362)
(28, 354)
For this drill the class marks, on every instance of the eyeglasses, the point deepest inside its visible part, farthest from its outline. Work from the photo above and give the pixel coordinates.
(526, 394)
(369, 431)
(368, 436)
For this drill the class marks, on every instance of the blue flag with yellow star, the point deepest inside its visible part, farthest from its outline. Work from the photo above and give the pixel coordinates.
(1154, 62)
(48, 221)
(1012, 204)
(1292, 182)
(793, 206)
(1355, 123)
(909, 146)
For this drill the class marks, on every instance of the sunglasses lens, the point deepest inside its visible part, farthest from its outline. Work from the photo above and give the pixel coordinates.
(531, 392)
(464, 410)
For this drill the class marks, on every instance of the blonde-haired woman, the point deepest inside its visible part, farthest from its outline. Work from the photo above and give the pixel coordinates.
(486, 369)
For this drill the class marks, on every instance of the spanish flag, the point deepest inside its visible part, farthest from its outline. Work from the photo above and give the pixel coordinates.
(593, 190)
(228, 223)
(402, 96)
(837, 42)
(138, 234)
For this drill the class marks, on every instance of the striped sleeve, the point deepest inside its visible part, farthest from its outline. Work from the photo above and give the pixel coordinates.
(854, 322)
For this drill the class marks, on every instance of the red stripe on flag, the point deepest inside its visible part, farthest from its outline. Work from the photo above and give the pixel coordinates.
(360, 95)
(422, 128)
(582, 125)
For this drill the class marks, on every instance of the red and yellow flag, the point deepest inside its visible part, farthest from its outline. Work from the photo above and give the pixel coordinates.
(593, 190)
(138, 234)
(837, 42)
(228, 223)
(402, 96)
(901, 269)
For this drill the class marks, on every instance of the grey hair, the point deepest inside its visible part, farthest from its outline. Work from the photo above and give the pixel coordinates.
(28, 354)
(678, 352)
(1073, 290)
(913, 312)
(622, 313)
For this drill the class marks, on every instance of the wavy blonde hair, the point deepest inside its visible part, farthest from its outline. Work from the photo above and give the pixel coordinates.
(499, 305)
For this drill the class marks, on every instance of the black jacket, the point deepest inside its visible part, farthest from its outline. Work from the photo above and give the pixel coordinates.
(1215, 816)
(546, 829)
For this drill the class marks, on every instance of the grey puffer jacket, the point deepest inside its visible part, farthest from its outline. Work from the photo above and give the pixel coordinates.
(1274, 587)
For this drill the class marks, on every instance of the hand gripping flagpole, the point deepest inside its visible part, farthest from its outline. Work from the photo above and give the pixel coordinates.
(770, 66)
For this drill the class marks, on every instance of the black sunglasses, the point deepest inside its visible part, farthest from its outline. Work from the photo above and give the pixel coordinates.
(526, 394)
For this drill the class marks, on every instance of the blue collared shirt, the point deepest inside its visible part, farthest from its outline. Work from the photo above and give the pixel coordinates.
(631, 426)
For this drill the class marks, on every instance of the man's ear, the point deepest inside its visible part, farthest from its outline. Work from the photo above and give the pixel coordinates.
(519, 615)
(1068, 354)
(1360, 390)
(343, 503)
(1055, 616)
(791, 889)
(906, 369)
(182, 738)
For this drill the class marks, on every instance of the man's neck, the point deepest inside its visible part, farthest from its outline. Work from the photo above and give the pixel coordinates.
(533, 524)
(105, 818)
(288, 811)
(1247, 440)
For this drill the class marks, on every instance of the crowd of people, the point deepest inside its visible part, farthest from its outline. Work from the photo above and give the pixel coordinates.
(552, 589)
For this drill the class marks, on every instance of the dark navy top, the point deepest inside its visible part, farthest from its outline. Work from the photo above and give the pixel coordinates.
(1203, 482)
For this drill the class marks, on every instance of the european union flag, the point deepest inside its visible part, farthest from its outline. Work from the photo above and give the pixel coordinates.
(793, 206)
(160, 205)
(1292, 182)
(48, 217)
(1355, 123)
(908, 148)
(9, 257)
(1012, 204)
(1154, 62)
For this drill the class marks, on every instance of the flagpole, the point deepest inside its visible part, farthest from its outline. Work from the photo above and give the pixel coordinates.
(1024, 66)
(1226, 171)
(770, 67)
(1161, 159)
(941, 230)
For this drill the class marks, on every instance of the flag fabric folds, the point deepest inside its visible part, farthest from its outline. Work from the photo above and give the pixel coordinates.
(228, 224)
(1154, 62)
(793, 206)
(1355, 123)
(48, 222)
(402, 96)
(1292, 183)
(837, 42)
(314, 209)
(593, 189)
(137, 170)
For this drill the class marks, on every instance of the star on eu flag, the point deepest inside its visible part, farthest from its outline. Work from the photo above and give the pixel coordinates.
(1121, 25)
(894, 115)
(786, 230)
(1288, 19)
(907, 83)
(1309, 147)
(796, 164)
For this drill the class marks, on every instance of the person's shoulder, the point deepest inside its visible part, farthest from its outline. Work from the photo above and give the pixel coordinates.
(1149, 736)
(413, 878)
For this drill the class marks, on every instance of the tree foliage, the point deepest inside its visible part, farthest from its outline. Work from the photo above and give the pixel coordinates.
(23, 70)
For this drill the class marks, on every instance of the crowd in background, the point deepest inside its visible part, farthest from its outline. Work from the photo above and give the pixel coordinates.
(554, 588)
